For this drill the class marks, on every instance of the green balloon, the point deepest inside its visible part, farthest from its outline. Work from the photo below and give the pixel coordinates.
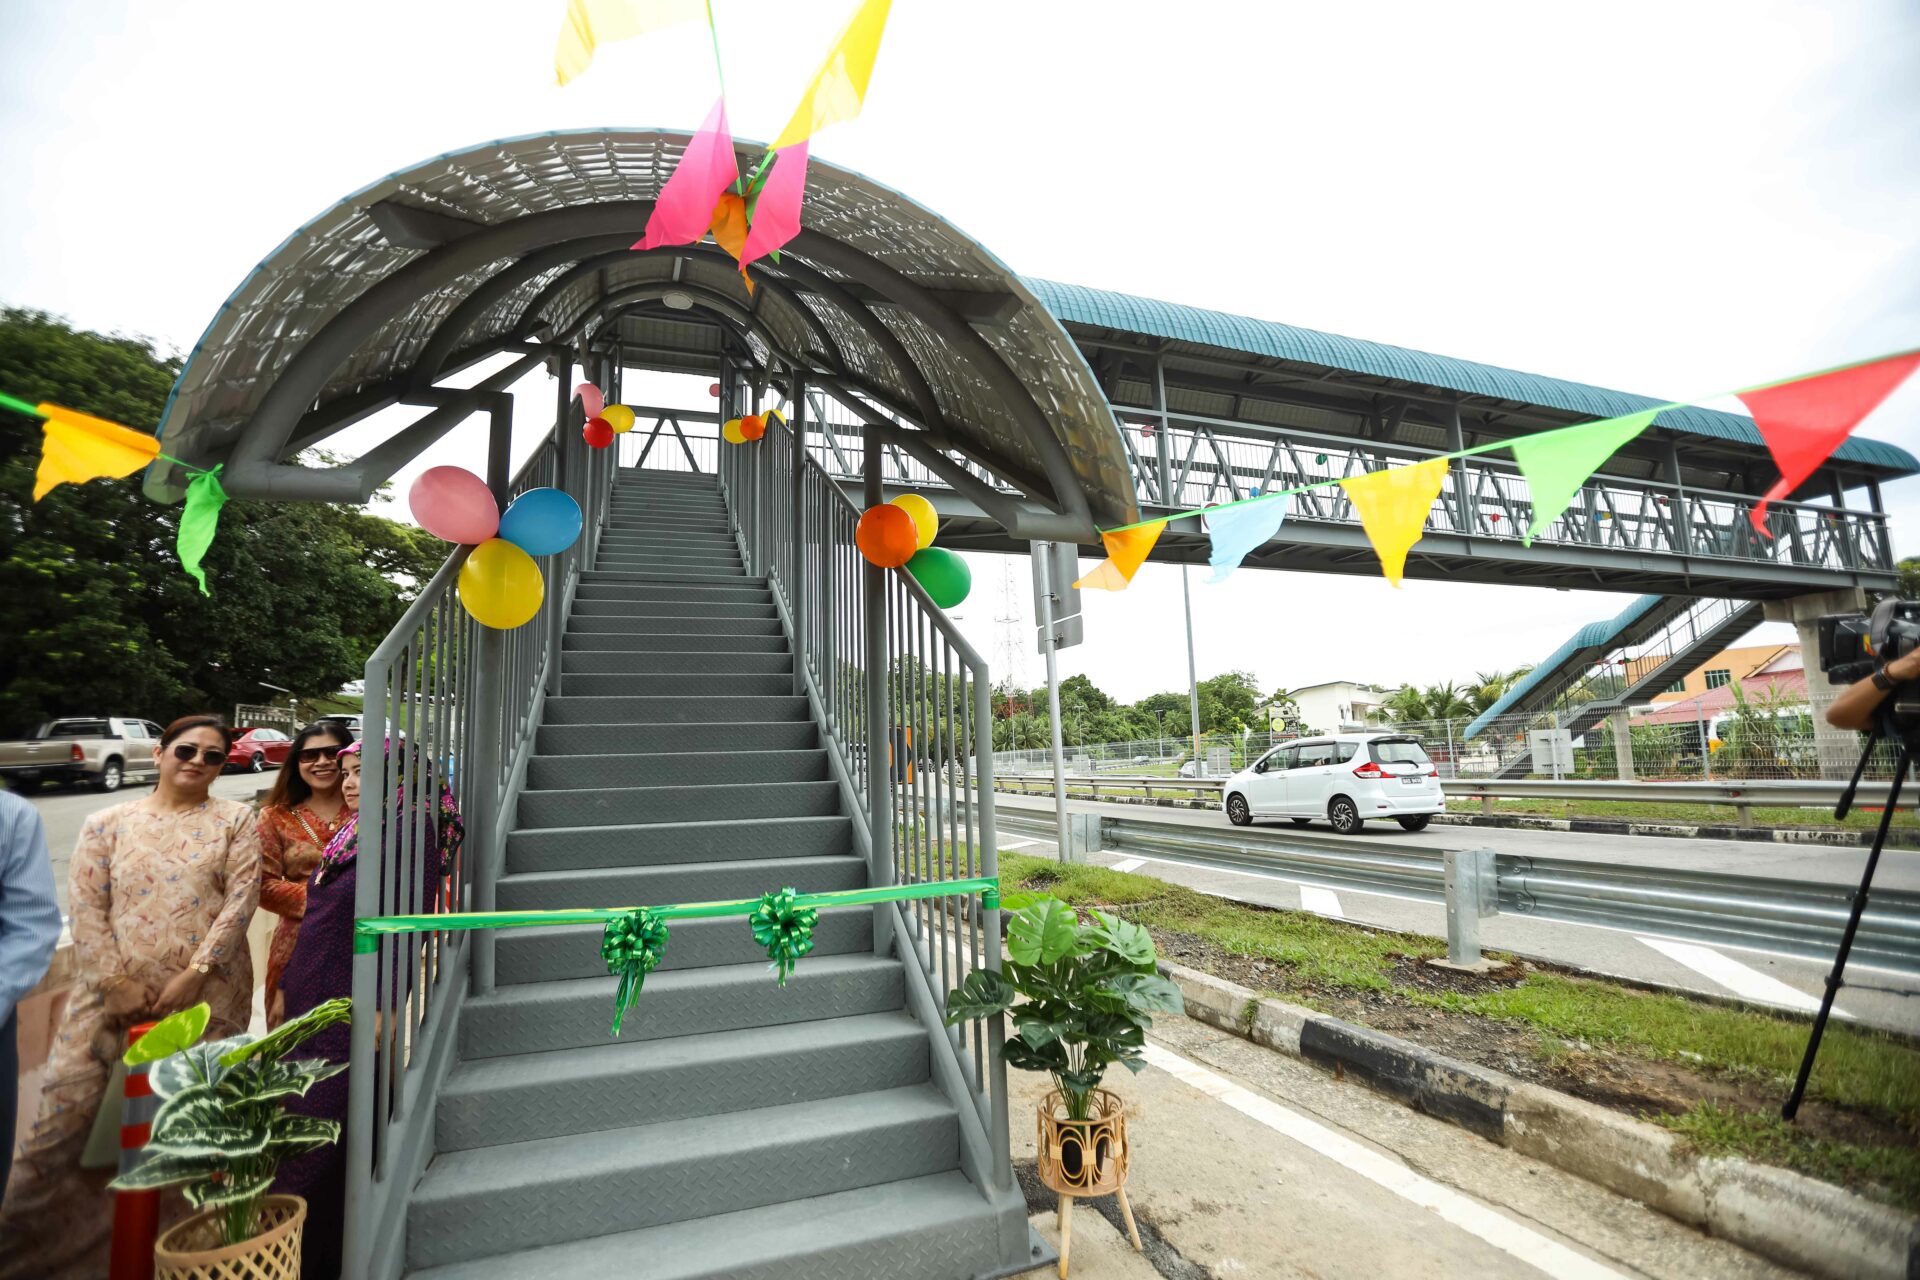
(942, 574)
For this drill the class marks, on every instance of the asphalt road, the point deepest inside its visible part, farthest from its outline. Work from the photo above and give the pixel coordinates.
(65, 811)
(1871, 997)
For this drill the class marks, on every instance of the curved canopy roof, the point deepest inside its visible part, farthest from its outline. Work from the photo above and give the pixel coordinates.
(1175, 322)
(523, 245)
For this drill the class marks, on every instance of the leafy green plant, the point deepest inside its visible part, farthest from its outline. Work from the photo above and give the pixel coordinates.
(1090, 991)
(221, 1133)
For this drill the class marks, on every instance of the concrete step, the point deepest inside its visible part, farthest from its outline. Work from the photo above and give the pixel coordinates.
(621, 1086)
(932, 1228)
(678, 626)
(686, 683)
(537, 1016)
(639, 805)
(569, 709)
(609, 661)
(478, 1203)
(740, 879)
(557, 953)
(740, 766)
(667, 609)
(689, 736)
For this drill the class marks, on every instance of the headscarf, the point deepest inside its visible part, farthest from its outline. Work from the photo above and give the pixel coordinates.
(445, 833)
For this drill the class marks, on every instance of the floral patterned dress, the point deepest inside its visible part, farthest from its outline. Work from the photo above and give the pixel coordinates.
(149, 893)
(291, 839)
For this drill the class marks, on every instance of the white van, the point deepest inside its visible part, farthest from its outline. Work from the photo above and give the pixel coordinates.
(1345, 780)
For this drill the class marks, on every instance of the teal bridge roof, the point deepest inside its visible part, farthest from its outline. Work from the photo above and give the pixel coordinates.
(1076, 304)
(1595, 635)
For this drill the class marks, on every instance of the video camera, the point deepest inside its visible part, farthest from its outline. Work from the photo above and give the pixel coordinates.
(1853, 644)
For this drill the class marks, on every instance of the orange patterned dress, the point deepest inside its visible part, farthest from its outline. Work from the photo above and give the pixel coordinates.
(149, 893)
(290, 843)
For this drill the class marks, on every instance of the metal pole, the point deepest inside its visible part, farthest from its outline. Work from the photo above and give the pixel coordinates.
(1193, 678)
(879, 740)
(557, 565)
(1042, 555)
(796, 596)
(1706, 748)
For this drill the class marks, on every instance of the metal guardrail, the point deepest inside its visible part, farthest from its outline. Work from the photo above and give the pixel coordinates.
(1785, 917)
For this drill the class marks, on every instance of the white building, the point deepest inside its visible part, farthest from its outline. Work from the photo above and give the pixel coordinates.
(1338, 706)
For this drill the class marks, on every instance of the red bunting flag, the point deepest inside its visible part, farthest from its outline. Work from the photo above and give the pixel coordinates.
(1804, 421)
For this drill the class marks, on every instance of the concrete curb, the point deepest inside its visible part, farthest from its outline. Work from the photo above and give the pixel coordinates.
(1784, 1216)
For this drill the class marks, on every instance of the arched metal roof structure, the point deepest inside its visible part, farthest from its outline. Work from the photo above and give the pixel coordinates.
(523, 246)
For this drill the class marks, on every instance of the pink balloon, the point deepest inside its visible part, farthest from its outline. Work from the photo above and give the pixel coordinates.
(590, 399)
(455, 505)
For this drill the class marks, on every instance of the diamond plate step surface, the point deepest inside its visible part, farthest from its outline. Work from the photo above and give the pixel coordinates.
(674, 624)
(626, 806)
(618, 1086)
(568, 709)
(707, 640)
(676, 768)
(661, 844)
(553, 953)
(629, 739)
(679, 882)
(613, 661)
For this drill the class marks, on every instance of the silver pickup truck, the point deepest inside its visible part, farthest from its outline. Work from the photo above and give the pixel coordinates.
(101, 751)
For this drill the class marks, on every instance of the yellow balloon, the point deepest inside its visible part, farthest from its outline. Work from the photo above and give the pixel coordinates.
(500, 585)
(617, 416)
(731, 432)
(925, 522)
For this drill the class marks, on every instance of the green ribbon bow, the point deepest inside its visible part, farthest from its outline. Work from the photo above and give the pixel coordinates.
(632, 946)
(784, 929)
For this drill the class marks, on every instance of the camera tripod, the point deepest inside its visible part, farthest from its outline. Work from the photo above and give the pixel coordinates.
(1834, 978)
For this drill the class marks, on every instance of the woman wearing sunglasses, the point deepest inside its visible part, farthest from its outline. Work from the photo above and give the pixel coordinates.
(302, 812)
(160, 893)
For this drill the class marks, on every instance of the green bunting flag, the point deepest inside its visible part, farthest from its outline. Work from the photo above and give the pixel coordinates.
(1557, 463)
(198, 523)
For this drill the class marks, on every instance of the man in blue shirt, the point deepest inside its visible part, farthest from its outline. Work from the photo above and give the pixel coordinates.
(29, 927)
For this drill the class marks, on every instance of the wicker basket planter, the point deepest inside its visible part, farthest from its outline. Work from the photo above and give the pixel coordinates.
(1083, 1157)
(192, 1249)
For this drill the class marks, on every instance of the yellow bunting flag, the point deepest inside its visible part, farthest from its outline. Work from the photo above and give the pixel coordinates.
(839, 88)
(591, 23)
(1126, 551)
(1393, 506)
(78, 447)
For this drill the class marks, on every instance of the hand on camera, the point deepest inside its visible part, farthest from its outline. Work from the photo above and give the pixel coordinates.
(1905, 668)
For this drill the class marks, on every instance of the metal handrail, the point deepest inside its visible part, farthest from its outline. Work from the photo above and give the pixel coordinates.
(931, 818)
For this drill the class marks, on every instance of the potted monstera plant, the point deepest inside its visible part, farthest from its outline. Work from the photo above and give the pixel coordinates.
(1087, 989)
(220, 1135)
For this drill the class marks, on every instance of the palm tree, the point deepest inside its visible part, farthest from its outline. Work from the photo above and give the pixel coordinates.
(1413, 705)
(1488, 687)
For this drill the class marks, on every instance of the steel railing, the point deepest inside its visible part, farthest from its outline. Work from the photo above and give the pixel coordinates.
(1795, 918)
(457, 704)
(922, 792)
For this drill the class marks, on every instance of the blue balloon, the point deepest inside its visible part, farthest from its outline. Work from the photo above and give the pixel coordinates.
(541, 522)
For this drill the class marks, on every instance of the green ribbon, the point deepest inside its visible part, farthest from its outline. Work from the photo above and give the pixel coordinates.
(784, 928)
(632, 946)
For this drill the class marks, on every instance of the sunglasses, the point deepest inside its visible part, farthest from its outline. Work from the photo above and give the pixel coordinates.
(314, 755)
(185, 754)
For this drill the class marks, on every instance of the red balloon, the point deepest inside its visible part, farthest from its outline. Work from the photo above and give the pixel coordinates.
(886, 536)
(753, 426)
(713, 389)
(598, 433)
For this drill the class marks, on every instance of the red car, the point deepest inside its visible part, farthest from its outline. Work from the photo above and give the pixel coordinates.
(257, 750)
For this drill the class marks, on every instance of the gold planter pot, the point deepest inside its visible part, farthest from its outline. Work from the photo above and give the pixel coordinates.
(192, 1249)
(1081, 1158)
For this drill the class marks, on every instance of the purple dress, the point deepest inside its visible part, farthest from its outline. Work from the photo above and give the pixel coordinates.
(321, 969)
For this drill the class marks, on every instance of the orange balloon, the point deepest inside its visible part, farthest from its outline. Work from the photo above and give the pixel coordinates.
(886, 536)
(753, 426)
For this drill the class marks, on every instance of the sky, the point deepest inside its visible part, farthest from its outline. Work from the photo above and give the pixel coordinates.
(1666, 199)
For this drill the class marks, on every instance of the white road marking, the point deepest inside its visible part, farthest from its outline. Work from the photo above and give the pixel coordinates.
(1476, 1219)
(1744, 981)
(1127, 864)
(1322, 902)
(1017, 844)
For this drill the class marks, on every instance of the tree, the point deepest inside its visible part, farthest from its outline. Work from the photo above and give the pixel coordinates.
(98, 617)
(1414, 705)
(1488, 687)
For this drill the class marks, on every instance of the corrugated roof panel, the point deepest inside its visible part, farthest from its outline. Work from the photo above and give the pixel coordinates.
(1077, 304)
(1595, 635)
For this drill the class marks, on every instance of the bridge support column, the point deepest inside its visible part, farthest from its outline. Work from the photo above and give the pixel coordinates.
(1837, 750)
(1622, 745)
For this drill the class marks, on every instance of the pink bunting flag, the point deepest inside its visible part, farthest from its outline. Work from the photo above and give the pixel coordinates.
(684, 209)
(1805, 420)
(776, 211)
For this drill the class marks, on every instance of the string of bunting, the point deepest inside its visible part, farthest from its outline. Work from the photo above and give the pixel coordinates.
(77, 447)
(1801, 419)
(634, 939)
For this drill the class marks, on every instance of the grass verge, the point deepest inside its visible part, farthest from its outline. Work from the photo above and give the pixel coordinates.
(1573, 1021)
(1688, 814)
